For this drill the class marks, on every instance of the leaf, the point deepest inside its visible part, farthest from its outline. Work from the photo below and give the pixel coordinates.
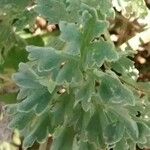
(70, 34)
(73, 8)
(95, 128)
(26, 78)
(113, 132)
(70, 10)
(123, 65)
(79, 38)
(113, 91)
(80, 119)
(132, 128)
(64, 140)
(101, 52)
(49, 7)
(144, 132)
(83, 146)
(70, 72)
(39, 132)
(48, 58)
(130, 125)
(122, 145)
(33, 127)
(62, 110)
(84, 93)
(22, 93)
(38, 101)
(88, 20)
(21, 120)
(49, 83)
(106, 11)
(34, 95)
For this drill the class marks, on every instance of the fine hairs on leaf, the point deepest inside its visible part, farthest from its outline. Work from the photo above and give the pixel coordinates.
(73, 92)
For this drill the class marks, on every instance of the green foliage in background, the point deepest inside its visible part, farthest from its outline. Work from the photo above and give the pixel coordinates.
(80, 89)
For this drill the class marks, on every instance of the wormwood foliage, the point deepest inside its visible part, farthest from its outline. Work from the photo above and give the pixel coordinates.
(83, 93)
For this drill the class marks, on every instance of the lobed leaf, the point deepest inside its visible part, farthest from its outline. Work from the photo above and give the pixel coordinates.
(113, 91)
(64, 140)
